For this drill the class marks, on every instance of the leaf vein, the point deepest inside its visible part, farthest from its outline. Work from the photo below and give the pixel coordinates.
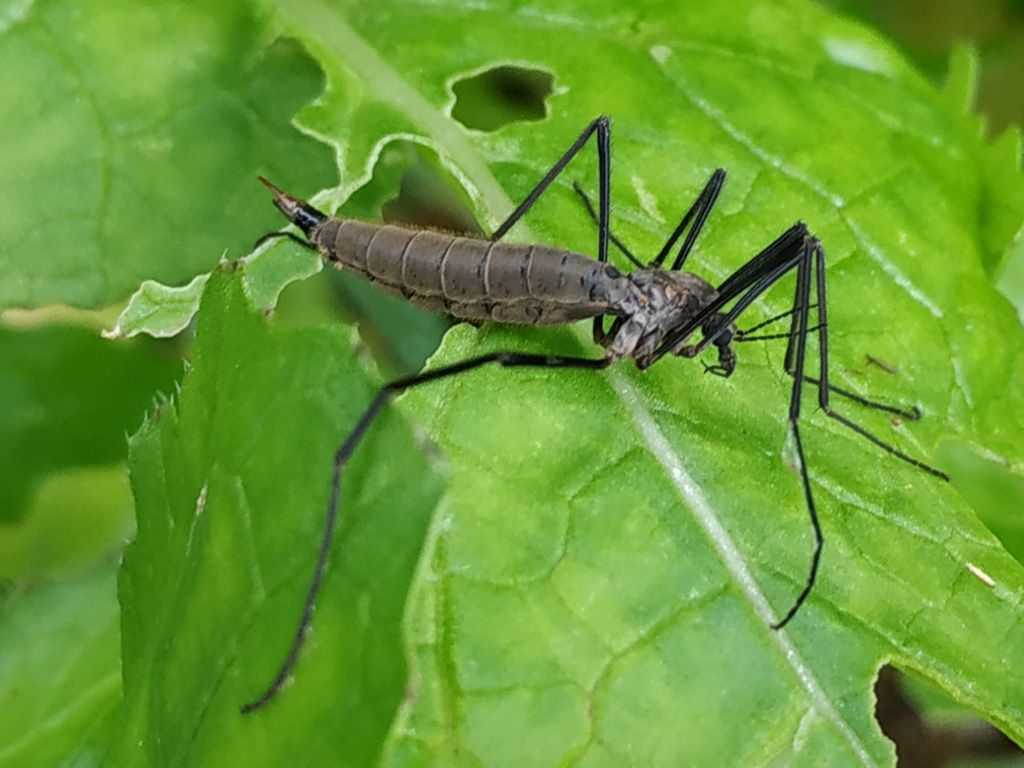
(693, 497)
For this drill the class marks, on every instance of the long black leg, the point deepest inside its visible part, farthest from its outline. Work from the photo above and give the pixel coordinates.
(344, 453)
(800, 316)
(824, 387)
(813, 258)
(602, 127)
(289, 235)
(780, 249)
(794, 248)
(745, 335)
(757, 275)
(701, 208)
(772, 263)
(802, 284)
(611, 235)
(791, 249)
(742, 334)
(912, 413)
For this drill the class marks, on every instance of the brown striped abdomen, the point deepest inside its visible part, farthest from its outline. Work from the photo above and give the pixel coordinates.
(469, 278)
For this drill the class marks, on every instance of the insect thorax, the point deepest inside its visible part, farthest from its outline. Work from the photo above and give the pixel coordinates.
(656, 303)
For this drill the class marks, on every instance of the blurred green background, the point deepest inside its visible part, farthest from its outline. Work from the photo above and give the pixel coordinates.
(72, 507)
(926, 30)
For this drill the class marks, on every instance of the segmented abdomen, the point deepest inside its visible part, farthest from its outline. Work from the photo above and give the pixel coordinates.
(468, 278)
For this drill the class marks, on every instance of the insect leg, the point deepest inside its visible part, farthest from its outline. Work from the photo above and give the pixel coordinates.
(344, 453)
(701, 208)
(801, 309)
(792, 249)
(823, 384)
(611, 235)
(745, 335)
(742, 336)
(290, 235)
(602, 126)
(748, 282)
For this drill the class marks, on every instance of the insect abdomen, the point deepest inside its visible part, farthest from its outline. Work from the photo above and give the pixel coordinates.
(469, 278)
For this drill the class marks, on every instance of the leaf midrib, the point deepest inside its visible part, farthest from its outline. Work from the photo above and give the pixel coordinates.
(696, 501)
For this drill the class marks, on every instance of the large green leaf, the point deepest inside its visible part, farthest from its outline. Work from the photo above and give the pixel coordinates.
(614, 552)
(67, 399)
(138, 127)
(60, 679)
(230, 484)
(611, 550)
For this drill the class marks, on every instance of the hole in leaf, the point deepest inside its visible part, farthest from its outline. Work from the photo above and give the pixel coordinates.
(410, 186)
(429, 197)
(502, 95)
(930, 730)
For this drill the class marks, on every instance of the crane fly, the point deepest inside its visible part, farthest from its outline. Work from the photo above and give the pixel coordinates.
(653, 311)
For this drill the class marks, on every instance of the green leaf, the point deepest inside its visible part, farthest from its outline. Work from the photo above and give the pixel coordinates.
(230, 483)
(999, 212)
(139, 128)
(77, 516)
(615, 551)
(601, 577)
(1011, 277)
(60, 680)
(641, 584)
(992, 491)
(67, 399)
(159, 310)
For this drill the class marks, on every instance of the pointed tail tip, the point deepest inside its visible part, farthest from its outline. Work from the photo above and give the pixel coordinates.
(287, 204)
(297, 211)
(271, 187)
